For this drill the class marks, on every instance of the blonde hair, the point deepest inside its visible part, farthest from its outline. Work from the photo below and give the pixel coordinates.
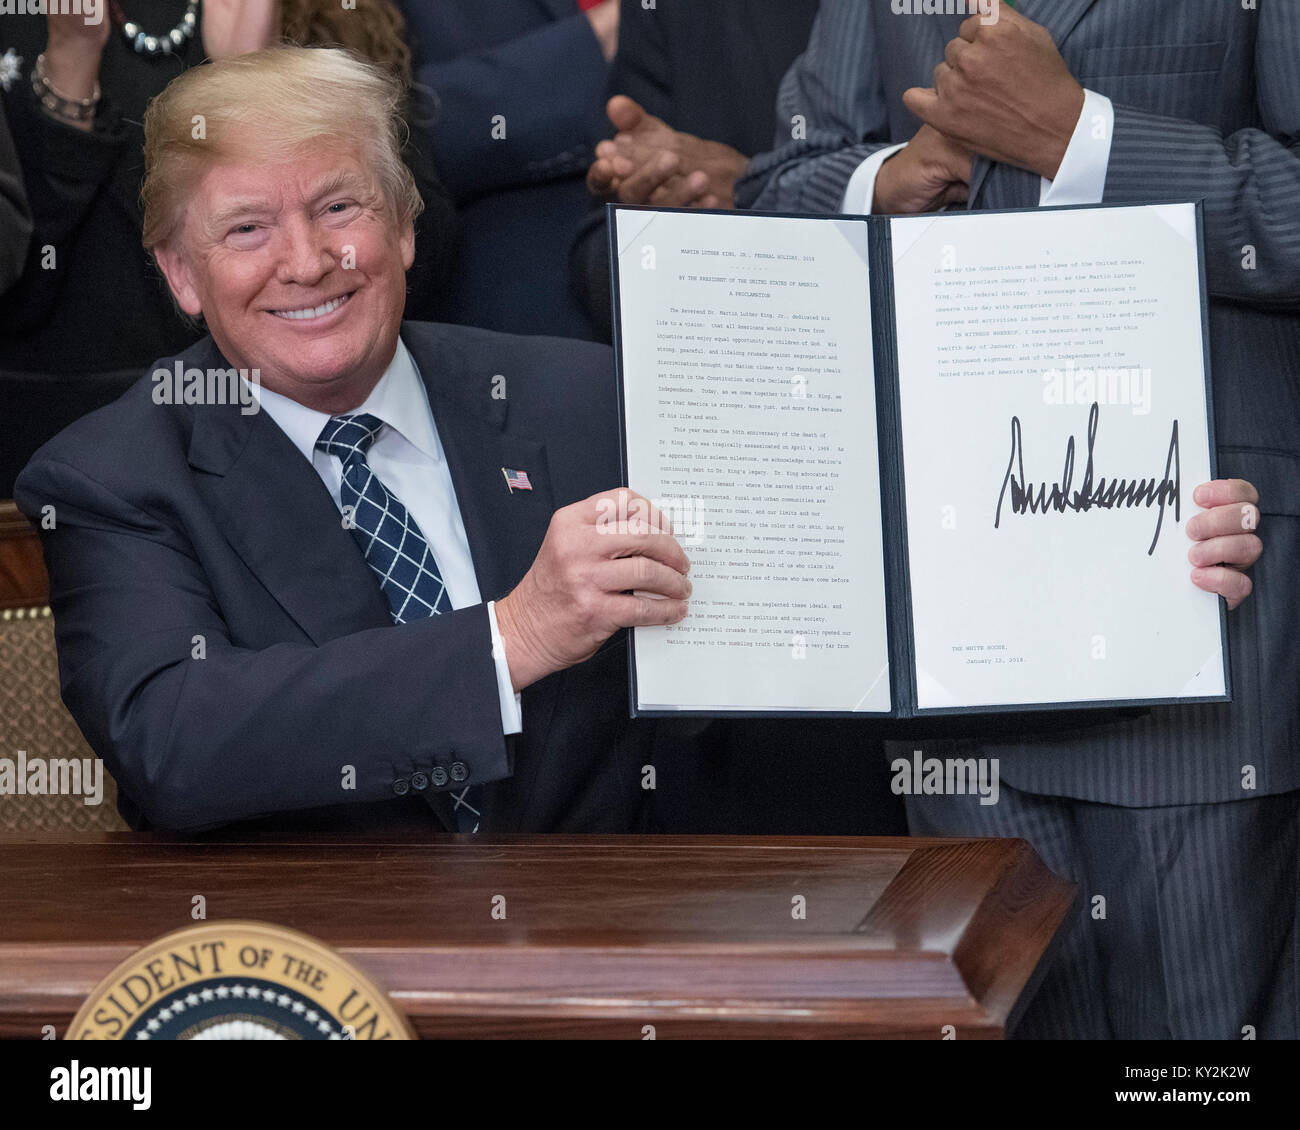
(275, 101)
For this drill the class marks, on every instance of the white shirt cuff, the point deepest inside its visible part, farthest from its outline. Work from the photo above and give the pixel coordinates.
(512, 709)
(862, 184)
(1081, 179)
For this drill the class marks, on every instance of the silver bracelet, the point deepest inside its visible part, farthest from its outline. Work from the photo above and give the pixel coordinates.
(70, 109)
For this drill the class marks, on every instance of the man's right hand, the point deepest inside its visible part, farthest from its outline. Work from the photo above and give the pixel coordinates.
(931, 172)
(598, 557)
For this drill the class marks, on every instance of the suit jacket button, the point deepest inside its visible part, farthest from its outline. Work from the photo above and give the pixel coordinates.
(438, 775)
(401, 786)
(419, 781)
(459, 771)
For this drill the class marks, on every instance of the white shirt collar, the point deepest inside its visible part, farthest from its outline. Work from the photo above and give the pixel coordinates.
(399, 399)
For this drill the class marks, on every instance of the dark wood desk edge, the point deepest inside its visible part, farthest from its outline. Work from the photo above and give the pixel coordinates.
(24, 583)
(1033, 899)
(13, 522)
(977, 993)
(1009, 926)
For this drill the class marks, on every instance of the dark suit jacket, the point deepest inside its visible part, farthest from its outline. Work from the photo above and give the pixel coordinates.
(15, 215)
(1207, 105)
(709, 69)
(537, 64)
(226, 650)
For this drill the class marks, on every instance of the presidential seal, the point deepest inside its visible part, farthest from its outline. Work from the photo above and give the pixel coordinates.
(238, 980)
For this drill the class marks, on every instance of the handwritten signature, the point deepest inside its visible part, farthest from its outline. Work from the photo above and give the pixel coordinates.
(1104, 495)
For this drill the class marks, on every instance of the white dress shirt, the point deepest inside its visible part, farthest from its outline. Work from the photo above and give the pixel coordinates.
(408, 457)
(1081, 179)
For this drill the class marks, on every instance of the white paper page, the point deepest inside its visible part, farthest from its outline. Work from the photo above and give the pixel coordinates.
(750, 408)
(1033, 318)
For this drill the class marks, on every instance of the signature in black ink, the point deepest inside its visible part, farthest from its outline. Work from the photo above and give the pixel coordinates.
(1125, 493)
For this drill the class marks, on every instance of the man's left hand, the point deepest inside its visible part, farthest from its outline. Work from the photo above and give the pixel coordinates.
(1003, 90)
(1224, 541)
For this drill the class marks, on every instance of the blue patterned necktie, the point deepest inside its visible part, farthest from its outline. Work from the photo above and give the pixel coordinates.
(393, 546)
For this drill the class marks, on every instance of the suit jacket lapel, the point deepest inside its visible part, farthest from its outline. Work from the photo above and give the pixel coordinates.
(1059, 16)
(277, 515)
(504, 527)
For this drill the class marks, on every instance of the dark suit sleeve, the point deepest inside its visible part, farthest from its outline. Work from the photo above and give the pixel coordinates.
(547, 85)
(64, 169)
(198, 738)
(1249, 180)
(832, 94)
(15, 216)
(642, 69)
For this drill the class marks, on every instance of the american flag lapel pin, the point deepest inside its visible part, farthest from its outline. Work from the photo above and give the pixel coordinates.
(516, 480)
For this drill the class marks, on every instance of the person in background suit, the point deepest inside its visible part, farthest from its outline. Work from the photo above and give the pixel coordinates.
(690, 94)
(15, 215)
(62, 353)
(383, 587)
(1185, 821)
(512, 111)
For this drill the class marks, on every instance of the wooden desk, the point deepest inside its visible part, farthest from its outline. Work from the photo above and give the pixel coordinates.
(23, 581)
(602, 936)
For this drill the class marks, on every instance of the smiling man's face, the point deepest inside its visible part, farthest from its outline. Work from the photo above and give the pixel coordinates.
(299, 270)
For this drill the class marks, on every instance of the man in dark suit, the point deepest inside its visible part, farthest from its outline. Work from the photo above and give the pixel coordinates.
(509, 97)
(1182, 825)
(381, 587)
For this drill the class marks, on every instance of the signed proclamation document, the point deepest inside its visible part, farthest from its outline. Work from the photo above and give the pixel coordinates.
(922, 465)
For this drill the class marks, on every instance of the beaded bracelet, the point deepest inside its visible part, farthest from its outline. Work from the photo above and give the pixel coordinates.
(69, 109)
